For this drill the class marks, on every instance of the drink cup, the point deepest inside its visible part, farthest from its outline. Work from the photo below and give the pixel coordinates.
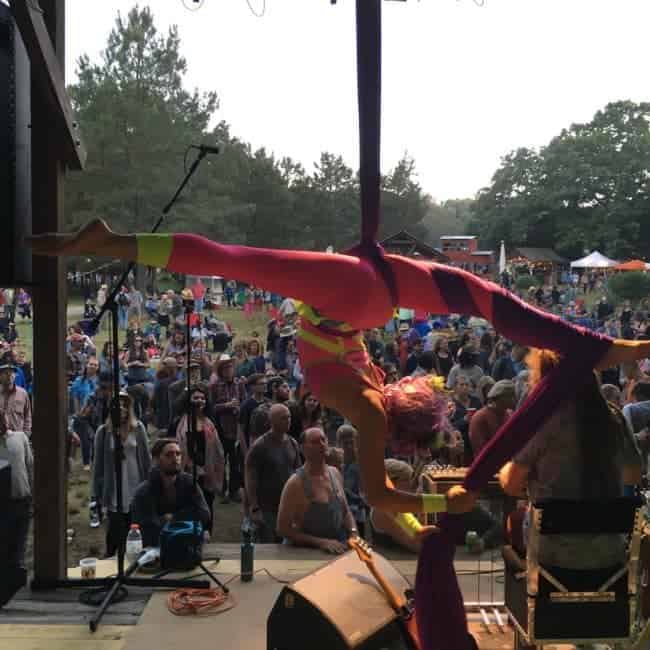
(88, 567)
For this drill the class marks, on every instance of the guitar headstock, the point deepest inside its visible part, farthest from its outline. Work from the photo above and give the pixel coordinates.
(361, 547)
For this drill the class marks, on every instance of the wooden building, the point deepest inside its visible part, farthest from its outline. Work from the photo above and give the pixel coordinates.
(405, 244)
(463, 252)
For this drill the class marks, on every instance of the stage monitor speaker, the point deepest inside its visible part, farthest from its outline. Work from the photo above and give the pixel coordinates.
(339, 607)
(15, 154)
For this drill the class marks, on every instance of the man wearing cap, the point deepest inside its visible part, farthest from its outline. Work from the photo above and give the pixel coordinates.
(501, 400)
(177, 388)
(14, 401)
(228, 393)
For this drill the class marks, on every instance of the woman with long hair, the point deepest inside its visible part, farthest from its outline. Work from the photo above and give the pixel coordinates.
(486, 346)
(310, 410)
(583, 451)
(467, 365)
(176, 345)
(137, 361)
(136, 463)
(444, 361)
(211, 474)
(256, 354)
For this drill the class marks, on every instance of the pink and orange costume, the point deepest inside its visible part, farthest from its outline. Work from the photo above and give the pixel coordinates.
(352, 292)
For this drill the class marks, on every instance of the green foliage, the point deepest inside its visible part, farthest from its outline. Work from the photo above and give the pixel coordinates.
(525, 282)
(630, 285)
(588, 188)
(137, 120)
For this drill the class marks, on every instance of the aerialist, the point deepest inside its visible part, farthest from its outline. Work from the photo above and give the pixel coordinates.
(347, 293)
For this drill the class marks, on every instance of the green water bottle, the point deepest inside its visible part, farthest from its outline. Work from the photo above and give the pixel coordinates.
(471, 540)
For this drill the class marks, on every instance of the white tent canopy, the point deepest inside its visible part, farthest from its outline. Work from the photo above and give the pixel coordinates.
(594, 260)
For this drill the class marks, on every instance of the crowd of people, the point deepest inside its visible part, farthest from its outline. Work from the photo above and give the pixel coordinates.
(269, 446)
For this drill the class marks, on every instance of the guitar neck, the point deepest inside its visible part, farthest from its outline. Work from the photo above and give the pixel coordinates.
(396, 602)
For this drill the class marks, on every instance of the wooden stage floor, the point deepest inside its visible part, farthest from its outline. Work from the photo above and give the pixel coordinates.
(56, 621)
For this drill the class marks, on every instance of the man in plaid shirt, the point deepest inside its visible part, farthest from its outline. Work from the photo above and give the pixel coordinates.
(227, 393)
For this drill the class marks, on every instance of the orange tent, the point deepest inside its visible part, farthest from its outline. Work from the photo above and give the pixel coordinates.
(632, 265)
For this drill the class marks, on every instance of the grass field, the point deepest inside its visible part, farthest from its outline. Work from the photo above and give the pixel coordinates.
(89, 542)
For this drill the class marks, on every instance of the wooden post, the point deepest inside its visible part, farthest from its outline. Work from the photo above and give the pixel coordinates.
(50, 297)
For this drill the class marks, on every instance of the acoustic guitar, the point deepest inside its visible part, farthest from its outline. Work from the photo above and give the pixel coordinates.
(403, 608)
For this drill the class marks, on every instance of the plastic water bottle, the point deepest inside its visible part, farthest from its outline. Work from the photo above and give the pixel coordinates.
(133, 544)
(247, 552)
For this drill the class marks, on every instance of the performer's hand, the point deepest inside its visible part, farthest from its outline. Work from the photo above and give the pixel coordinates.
(459, 500)
(425, 531)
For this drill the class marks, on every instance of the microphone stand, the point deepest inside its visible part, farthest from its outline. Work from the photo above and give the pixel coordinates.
(195, 444)
(114, 587)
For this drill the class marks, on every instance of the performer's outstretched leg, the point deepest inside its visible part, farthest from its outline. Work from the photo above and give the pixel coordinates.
(339, 286)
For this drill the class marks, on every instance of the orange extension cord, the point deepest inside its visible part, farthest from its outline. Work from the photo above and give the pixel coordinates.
(208, 602)
(199, 602)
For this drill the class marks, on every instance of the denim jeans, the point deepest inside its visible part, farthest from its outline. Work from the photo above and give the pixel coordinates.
(86, 435)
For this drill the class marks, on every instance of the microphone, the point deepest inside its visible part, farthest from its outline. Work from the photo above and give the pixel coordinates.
(206, 148)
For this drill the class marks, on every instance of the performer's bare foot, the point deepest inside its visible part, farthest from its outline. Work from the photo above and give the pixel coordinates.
(95, 238)
(622, 351)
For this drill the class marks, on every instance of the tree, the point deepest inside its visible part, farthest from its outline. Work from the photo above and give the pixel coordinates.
(588, 188)
(630, 285)
(138, 118)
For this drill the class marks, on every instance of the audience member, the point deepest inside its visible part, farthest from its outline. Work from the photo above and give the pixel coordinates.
(15, 510)
(211, 472)
(347, 439)
(167, 495)
(136, 464)
(271, 460)
(313, 509)
(488, 420)
(228, 393)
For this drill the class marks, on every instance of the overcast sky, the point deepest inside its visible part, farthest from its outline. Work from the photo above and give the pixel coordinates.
(462, 84)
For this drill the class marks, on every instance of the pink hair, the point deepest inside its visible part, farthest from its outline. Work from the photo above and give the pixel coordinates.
(416, 411)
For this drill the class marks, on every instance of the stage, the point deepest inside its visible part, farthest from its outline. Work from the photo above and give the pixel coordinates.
(54, 620)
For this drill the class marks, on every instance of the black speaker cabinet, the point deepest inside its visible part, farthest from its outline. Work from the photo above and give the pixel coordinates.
(15, 154)
(5, 482)
(339, 607)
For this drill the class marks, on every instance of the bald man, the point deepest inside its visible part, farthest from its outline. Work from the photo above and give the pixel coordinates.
(271, 460)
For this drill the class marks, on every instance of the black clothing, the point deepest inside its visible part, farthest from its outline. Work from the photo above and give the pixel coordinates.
(458, 422)
(245, 412)
(150, 504)
(444, 365)
(503, 368)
